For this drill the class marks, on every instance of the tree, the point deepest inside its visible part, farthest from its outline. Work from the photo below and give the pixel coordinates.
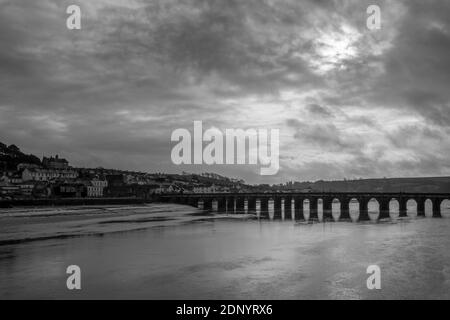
(14, 148)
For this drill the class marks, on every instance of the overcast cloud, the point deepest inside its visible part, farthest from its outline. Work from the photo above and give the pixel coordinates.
(349, 102)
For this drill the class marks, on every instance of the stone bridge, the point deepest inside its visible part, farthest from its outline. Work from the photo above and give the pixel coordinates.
(295, 205)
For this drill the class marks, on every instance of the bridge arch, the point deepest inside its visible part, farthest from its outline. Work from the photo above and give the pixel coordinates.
(336, 209)
(428, 208)
(293, 208)
(215, 204)
(353, 209)
(411, 208)
(361, 206)
(394, 208)
(306, 208)
(373, 208)
(320, 209)
(271, 207)
(445, 208)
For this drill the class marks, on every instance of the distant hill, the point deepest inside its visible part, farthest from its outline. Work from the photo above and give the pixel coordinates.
(11, 156)
(420, 185)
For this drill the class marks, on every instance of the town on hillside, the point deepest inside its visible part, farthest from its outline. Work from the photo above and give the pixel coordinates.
(28, 177)
(25, 176)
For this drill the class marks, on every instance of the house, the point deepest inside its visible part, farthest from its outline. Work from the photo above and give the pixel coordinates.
(26, 188)
(23, 166)
(55, 163)
(70, 190)
(168, 188)
(47, 174)
(42, 190)
(115, 180)
(10, 177)
(9, 190)
(95, 188)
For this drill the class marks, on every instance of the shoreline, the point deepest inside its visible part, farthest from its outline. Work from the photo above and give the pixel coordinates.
(5, 204)
(25, 224)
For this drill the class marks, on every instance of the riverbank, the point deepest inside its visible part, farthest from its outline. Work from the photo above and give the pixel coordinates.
(24, 224)
(71, 202)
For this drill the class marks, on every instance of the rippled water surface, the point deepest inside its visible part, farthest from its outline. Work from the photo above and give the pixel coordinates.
(162, 252)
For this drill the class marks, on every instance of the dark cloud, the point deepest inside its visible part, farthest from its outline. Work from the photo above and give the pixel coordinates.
(375, 103)
(319, 110)
(325, 136)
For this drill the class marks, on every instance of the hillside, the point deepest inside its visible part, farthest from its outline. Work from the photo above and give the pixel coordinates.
(428, 184)
(11, 156)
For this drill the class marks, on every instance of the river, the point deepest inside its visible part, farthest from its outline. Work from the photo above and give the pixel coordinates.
(176, 252)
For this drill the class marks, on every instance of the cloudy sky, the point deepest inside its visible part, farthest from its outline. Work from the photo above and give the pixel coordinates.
(349, 102)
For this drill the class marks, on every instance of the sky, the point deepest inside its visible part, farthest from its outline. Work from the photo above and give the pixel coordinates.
(349, 102)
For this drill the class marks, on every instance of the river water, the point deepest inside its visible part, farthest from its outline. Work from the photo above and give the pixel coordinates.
(176, 252)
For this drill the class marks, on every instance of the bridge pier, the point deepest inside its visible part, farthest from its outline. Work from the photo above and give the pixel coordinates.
(403, 210)
(437, 208)
(327, 209)
(222, 204)
(313, 209)
(239, 201)
(384, 208)
(298, 213)
(192, 202)
(277, 208)
(207, 204)
(420, 207)
(288, 208)
(363, 210)
(345, 209)
(264, 207)
(251, 204)
(229, 202)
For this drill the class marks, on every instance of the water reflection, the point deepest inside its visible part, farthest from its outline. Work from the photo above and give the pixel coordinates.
(373, 208)
(394, 209)
(336, 209)
(306, 209)
(411, 208)
(428, 208)
(445, 208)
(232, 259)
(354, 209)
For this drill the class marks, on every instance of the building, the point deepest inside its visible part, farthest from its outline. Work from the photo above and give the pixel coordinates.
(9, 191)
(23, 166)
(26, 188)
(11, 177)
(96, 187)
(47, 174)
(55, 163)
(15, 190)
(115, 180)
(70, 190)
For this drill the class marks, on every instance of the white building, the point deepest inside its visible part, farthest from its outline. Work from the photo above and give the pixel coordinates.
(47, 174)
(96, 187)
